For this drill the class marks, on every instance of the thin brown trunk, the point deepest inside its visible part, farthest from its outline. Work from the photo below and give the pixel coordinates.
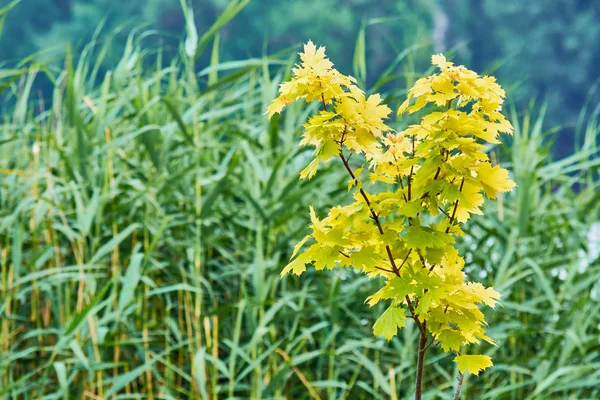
(459, 386)
(420, 365)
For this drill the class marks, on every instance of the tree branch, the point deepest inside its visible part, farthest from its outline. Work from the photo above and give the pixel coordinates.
(385, 270)
(373, 214)
(455, 207)
(459, 386)
(420, 366)
(411, 169)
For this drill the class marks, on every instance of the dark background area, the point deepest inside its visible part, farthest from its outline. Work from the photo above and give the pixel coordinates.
(543, 51)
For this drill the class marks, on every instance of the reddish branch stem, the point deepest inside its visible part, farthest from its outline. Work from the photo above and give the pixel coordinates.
(420, 366)
(455, 207)
(422, 326)
(459, 386)
(373, 213)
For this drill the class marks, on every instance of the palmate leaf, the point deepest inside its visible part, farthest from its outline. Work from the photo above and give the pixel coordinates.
(473, 363)
(367, 257)
(422, 238)
(486, 295)
(389, 322)
(494, 180)
(450, 339)
(297, 266)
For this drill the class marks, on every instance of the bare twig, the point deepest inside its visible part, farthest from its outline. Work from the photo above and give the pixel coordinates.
(455, 207)
(459, 386)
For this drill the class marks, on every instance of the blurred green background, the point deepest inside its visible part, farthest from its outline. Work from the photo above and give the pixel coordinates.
(539, 48)
(147, 205)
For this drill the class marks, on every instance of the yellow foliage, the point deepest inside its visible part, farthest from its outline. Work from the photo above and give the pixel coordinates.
(436, 172)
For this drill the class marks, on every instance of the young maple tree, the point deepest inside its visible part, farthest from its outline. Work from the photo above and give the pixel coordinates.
(435, 172)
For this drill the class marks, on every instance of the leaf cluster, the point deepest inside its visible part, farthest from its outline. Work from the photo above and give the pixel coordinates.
(436, 174)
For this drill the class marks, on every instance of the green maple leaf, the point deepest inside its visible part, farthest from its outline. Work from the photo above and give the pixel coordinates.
(389, 322)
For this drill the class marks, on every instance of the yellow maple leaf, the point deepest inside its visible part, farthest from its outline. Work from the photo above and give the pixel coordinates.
(314, 58)
(473, 199)
(486, 295)
(440, 61)
(310, 170)
(299, 246)
(276, 106)
(297, 266)
(494, 179)
(474, 363)
(388, 323)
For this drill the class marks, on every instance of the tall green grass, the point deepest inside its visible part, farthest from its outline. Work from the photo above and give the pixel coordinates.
(144, 221)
